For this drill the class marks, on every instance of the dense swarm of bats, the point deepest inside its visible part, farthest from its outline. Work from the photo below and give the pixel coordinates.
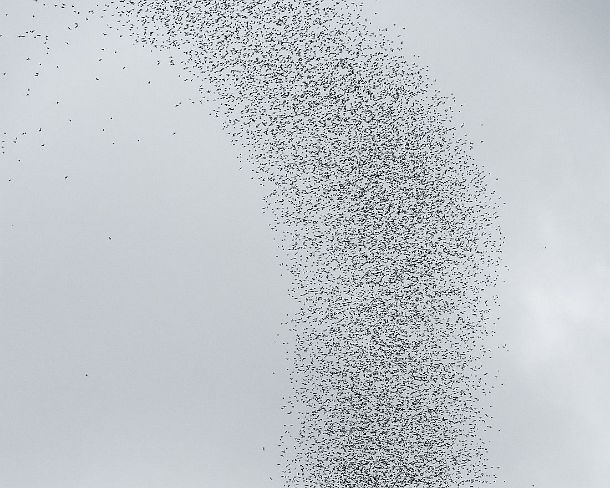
(387, 225)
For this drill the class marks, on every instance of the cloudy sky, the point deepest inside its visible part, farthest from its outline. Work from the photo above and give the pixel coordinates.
(537, 76)
(140, 297)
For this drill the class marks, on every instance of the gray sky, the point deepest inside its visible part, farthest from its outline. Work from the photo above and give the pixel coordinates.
(174, 319)
(537, 76)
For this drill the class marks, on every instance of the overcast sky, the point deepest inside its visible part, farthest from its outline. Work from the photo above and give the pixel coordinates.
(140, 297)
(537, 76)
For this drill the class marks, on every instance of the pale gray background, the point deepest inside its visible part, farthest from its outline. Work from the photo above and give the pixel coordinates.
(175, 319)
